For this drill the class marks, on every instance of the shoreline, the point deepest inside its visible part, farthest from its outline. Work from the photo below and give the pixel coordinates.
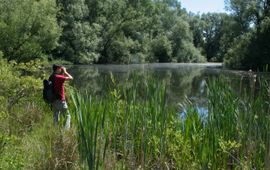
(154, 65)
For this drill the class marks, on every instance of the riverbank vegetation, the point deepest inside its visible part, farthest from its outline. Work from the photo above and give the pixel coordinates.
(132, 129)
(133, 125)
(123, 31)
(28, 139)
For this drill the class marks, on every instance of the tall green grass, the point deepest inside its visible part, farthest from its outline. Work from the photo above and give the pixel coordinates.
(129, 123)
(236, 134)
(134, 126)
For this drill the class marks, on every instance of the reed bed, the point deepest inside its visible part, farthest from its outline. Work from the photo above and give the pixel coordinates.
(134, 127)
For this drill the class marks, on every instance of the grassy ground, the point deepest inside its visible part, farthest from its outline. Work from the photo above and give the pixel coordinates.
(28, 139)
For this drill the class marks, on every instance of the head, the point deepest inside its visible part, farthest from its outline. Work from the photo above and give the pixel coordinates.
(57, 68)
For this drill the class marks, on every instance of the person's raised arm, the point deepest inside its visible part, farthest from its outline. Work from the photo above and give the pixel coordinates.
(68, 76)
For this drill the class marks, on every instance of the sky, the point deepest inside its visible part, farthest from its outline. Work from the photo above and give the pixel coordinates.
(203, 6)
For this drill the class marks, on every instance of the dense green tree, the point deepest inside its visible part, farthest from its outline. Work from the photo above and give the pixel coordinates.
(121, 31)
(79, 40)
(248, 13)
(235, 57)
(161, 49)
(119, 25)
(212, 33)
(182, 43)
(242, 12)
(134, 31)
(250, 50)
(229, 30)
(197, 27)
(28, 28)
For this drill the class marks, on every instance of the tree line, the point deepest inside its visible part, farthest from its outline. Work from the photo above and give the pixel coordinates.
(135, 31)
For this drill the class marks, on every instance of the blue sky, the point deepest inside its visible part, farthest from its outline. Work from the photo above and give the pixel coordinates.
(203, 6)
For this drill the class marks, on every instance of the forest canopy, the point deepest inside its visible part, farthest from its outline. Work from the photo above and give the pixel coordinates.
(135, 31)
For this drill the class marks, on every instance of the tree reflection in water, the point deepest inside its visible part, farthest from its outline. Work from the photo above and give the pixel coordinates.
(182, 80)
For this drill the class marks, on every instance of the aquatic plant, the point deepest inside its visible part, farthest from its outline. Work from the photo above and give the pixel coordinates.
(134, 126)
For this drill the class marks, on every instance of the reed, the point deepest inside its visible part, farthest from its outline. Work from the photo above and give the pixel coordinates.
(134, 126)
(237, 129)
(126, 122)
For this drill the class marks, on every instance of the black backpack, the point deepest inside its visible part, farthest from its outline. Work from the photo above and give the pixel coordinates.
(48, 92)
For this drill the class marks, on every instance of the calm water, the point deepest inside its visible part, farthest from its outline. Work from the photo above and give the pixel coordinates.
(184, 80)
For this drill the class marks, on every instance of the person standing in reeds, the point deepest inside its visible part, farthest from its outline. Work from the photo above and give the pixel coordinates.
(59, 106)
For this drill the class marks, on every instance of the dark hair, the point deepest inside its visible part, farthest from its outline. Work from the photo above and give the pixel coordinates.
(55, 66)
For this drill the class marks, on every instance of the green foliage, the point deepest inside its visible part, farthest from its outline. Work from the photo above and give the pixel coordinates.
(252, 52)
(182, 42)
(246, 123)
(79, 40)
(259, 54)
(28, 29)
(20, 96)
(133, 129)
(17, 82)
(121, 31)
(124, 31)
(161, 49)
(188, 53)
(236, 56)
(197, 26)
(126, 123)
(57, 148)
(27, 134)
(11, 157)
(242, 12)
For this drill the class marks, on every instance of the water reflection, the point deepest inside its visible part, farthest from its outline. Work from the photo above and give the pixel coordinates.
(183, 80)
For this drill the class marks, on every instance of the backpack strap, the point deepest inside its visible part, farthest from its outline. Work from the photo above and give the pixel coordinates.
(51, 78)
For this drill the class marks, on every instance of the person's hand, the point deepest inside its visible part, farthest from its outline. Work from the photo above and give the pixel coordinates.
(67, 75)
(64, 69)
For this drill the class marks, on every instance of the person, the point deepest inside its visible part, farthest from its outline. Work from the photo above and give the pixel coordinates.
(59, 106)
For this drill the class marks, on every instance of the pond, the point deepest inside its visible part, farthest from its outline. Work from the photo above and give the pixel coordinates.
(184, 81)
(232, 116)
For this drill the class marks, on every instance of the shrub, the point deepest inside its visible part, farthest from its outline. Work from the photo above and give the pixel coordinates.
(161, 49)
(27, 135)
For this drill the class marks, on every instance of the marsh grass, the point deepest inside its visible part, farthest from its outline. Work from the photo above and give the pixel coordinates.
(237, 130)
(128, 123)
(35, 143)
(56, 147)
(134, 127)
